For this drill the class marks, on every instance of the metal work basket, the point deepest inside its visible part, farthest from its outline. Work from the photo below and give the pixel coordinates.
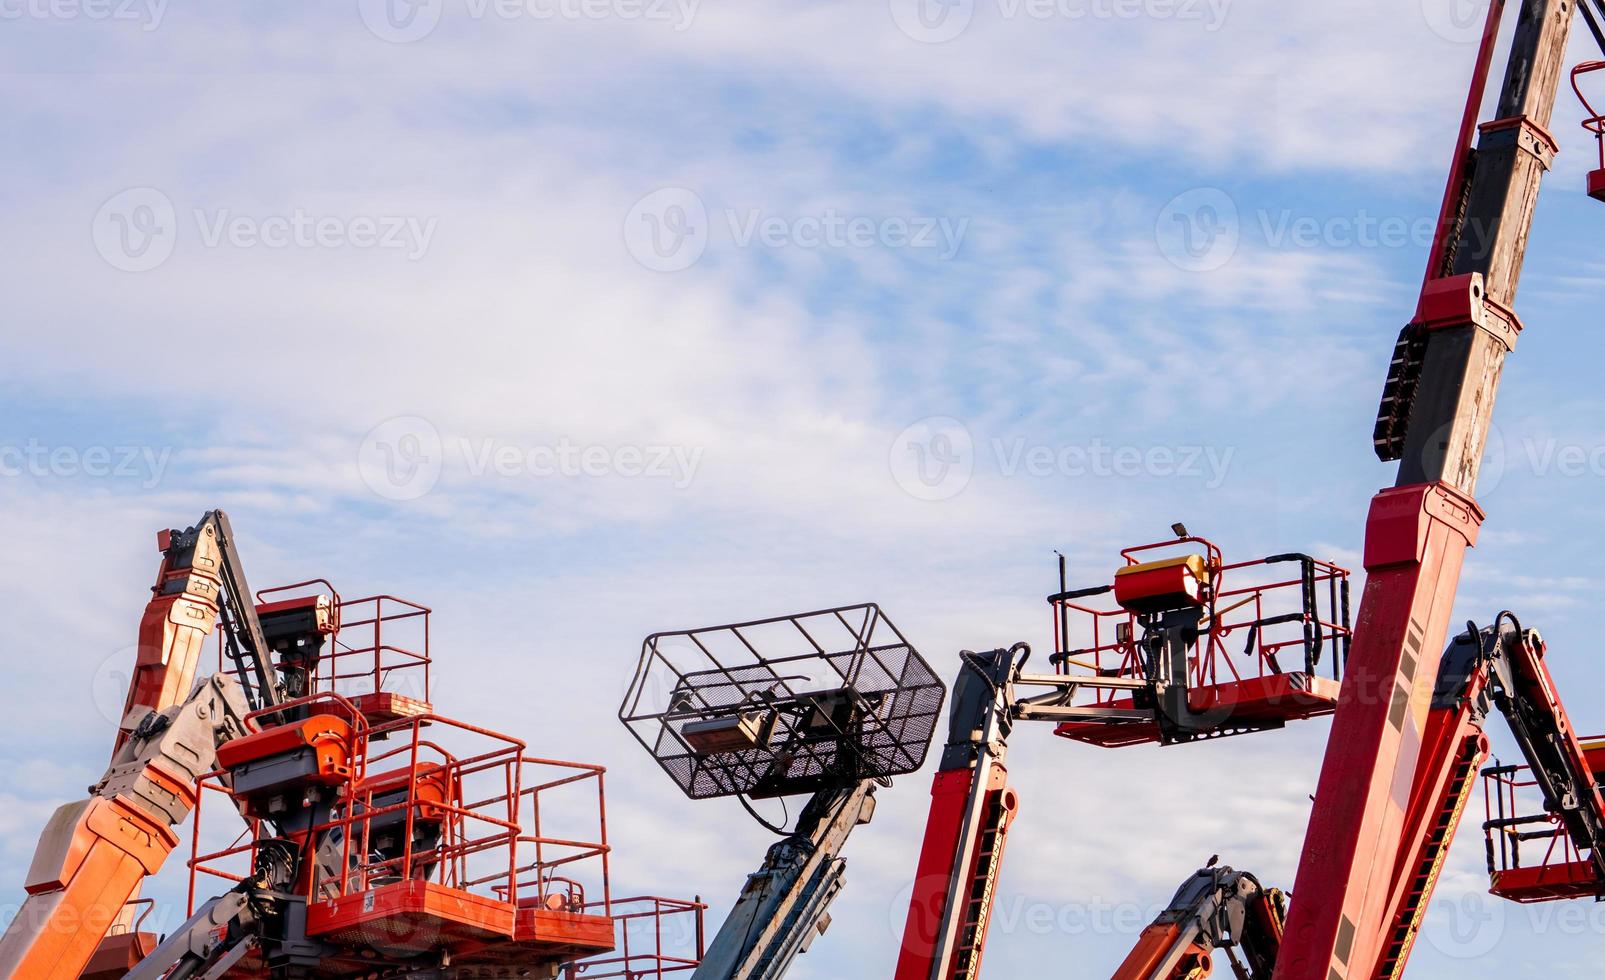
(784, 706)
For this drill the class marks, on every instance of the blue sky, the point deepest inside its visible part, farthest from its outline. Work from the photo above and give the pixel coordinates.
(379, 298)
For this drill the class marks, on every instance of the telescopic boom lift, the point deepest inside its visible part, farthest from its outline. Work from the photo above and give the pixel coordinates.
(829, 705)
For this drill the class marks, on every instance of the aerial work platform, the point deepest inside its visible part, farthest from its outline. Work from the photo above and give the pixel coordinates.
(1183, 646)
(1532, 855)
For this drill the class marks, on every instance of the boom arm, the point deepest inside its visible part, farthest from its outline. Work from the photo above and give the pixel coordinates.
(94, 853)
(1436, 415)
(1217, 908)
(200, 580)
(1501, 667)
(972, 807)
(785, 904)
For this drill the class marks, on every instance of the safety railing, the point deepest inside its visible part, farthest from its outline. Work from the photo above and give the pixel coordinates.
(1531, 855)
(1595, 120)
(478, 816)
(225, 866)
(655, 937)
(438, 800)
(551, 792)
(380, 645)
(382, 648)
(1260, 618)
(231, 863)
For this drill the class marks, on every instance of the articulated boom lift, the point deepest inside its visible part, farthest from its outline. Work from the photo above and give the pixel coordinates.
(830, 705)
(1500, 668)
(95, 853)
(381, 839)
(1193, 648)
(1216, 909)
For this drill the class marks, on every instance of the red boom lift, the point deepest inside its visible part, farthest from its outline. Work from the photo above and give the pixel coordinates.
(1407, 737)
(380, 838)
(1498, 668)
(1192, 648)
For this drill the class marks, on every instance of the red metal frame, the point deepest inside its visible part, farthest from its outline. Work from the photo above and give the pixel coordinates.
(1252, 682)
(655, 917)
(1594, 123)
(1561, 872)
(377, 658)
(504, 880)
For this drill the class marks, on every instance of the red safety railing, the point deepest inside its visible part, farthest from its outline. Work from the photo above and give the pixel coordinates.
(655, 937)
(240, 853)
(377, 656)
(1531, 855)
(438, 800)
(382, 647)
(490, 808)
(1595, 121)
(1257, 615)
(232, 863)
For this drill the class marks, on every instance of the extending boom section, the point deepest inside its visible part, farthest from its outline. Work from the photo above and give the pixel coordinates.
(784, 905)
(94, 854)
(972, 807)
